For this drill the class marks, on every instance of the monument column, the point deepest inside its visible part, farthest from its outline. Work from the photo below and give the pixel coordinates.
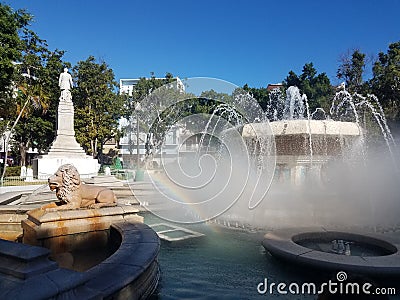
(65, 148)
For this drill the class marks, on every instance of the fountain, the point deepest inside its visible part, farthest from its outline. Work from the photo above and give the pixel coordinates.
(294, 152)
(303, 143)
(351, 251)
(291, 172)
(302, 169)
(322, 166)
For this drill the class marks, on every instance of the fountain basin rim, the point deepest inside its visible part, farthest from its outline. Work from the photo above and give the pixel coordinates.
(347, 236)
(302, 127)
(283, 244)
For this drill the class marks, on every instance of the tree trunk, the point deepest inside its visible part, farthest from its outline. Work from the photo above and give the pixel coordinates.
(95, 148)
(92, 147)
(8, 139)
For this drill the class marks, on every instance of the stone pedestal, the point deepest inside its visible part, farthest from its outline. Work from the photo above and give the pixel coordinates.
(67, 230)
(65, 149)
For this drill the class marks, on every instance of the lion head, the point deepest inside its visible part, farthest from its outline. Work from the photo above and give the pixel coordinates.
(65, 181)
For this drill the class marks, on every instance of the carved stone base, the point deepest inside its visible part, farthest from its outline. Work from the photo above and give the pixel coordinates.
(46, 165)
(67, 230)
(65, 149)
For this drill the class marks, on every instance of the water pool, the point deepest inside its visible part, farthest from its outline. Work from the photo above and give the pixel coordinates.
(222, 264)
(229, 263)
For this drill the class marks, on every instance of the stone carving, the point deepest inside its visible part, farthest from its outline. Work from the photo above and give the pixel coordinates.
(73, 194)
(65, 83)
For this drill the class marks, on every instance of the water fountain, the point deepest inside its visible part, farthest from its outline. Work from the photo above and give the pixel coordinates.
(351, 251)
(305, 175)
(322, 176)
(305, 143)
(323, 165)
(304, 156)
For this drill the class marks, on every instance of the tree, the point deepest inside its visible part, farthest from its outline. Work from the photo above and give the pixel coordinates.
(32, 96)
(259, 94)
(351, 71)
(385, 83)
(317, 87)
(144, 87)
(36, 128)
(98, 107)
(11, 23)
(158, 118)
(27, 99)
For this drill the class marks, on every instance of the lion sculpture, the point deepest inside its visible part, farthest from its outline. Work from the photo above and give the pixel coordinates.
(73, 194)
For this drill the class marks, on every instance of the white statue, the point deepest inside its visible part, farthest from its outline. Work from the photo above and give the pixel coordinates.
(29, 174)
(65, 83)
(107, 171)
(342, 86)
(23, 172)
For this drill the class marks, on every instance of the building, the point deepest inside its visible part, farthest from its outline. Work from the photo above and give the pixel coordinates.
(178, 140)
(128, 144)
(126, 85)
(272, 86)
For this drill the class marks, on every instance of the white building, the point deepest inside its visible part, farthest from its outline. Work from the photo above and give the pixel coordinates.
(175, 141)
(126, 85)
(128, 149)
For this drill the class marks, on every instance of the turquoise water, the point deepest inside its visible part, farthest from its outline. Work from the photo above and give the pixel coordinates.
(228, 264)
(223, 264)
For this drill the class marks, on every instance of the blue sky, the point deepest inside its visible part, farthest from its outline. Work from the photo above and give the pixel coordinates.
(254, 42)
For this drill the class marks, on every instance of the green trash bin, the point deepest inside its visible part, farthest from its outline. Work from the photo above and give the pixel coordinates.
(139, 175)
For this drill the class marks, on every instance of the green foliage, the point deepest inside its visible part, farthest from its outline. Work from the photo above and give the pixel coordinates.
(161, 93)
(317, 87)
(31, 132)
(143, 88)
(98, 107)
(38, 88)
(32, 108)
(13, 171)
(260, 94)
(351, 71)
(11, 22)
(385, 83)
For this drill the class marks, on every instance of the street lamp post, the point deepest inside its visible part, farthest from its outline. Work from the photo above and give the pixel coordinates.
(4, 157)
(137, 108)
(4, 146)
(137, 142)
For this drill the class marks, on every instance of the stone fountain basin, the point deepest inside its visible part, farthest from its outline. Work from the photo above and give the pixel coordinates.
(302, 127)
(285, 244)
(131, 272)
(292, 136)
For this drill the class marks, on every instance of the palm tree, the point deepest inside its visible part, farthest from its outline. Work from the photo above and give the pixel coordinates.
(33, 97)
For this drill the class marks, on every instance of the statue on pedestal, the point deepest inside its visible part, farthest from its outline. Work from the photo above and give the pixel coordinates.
(65, 148)
(65, 83)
